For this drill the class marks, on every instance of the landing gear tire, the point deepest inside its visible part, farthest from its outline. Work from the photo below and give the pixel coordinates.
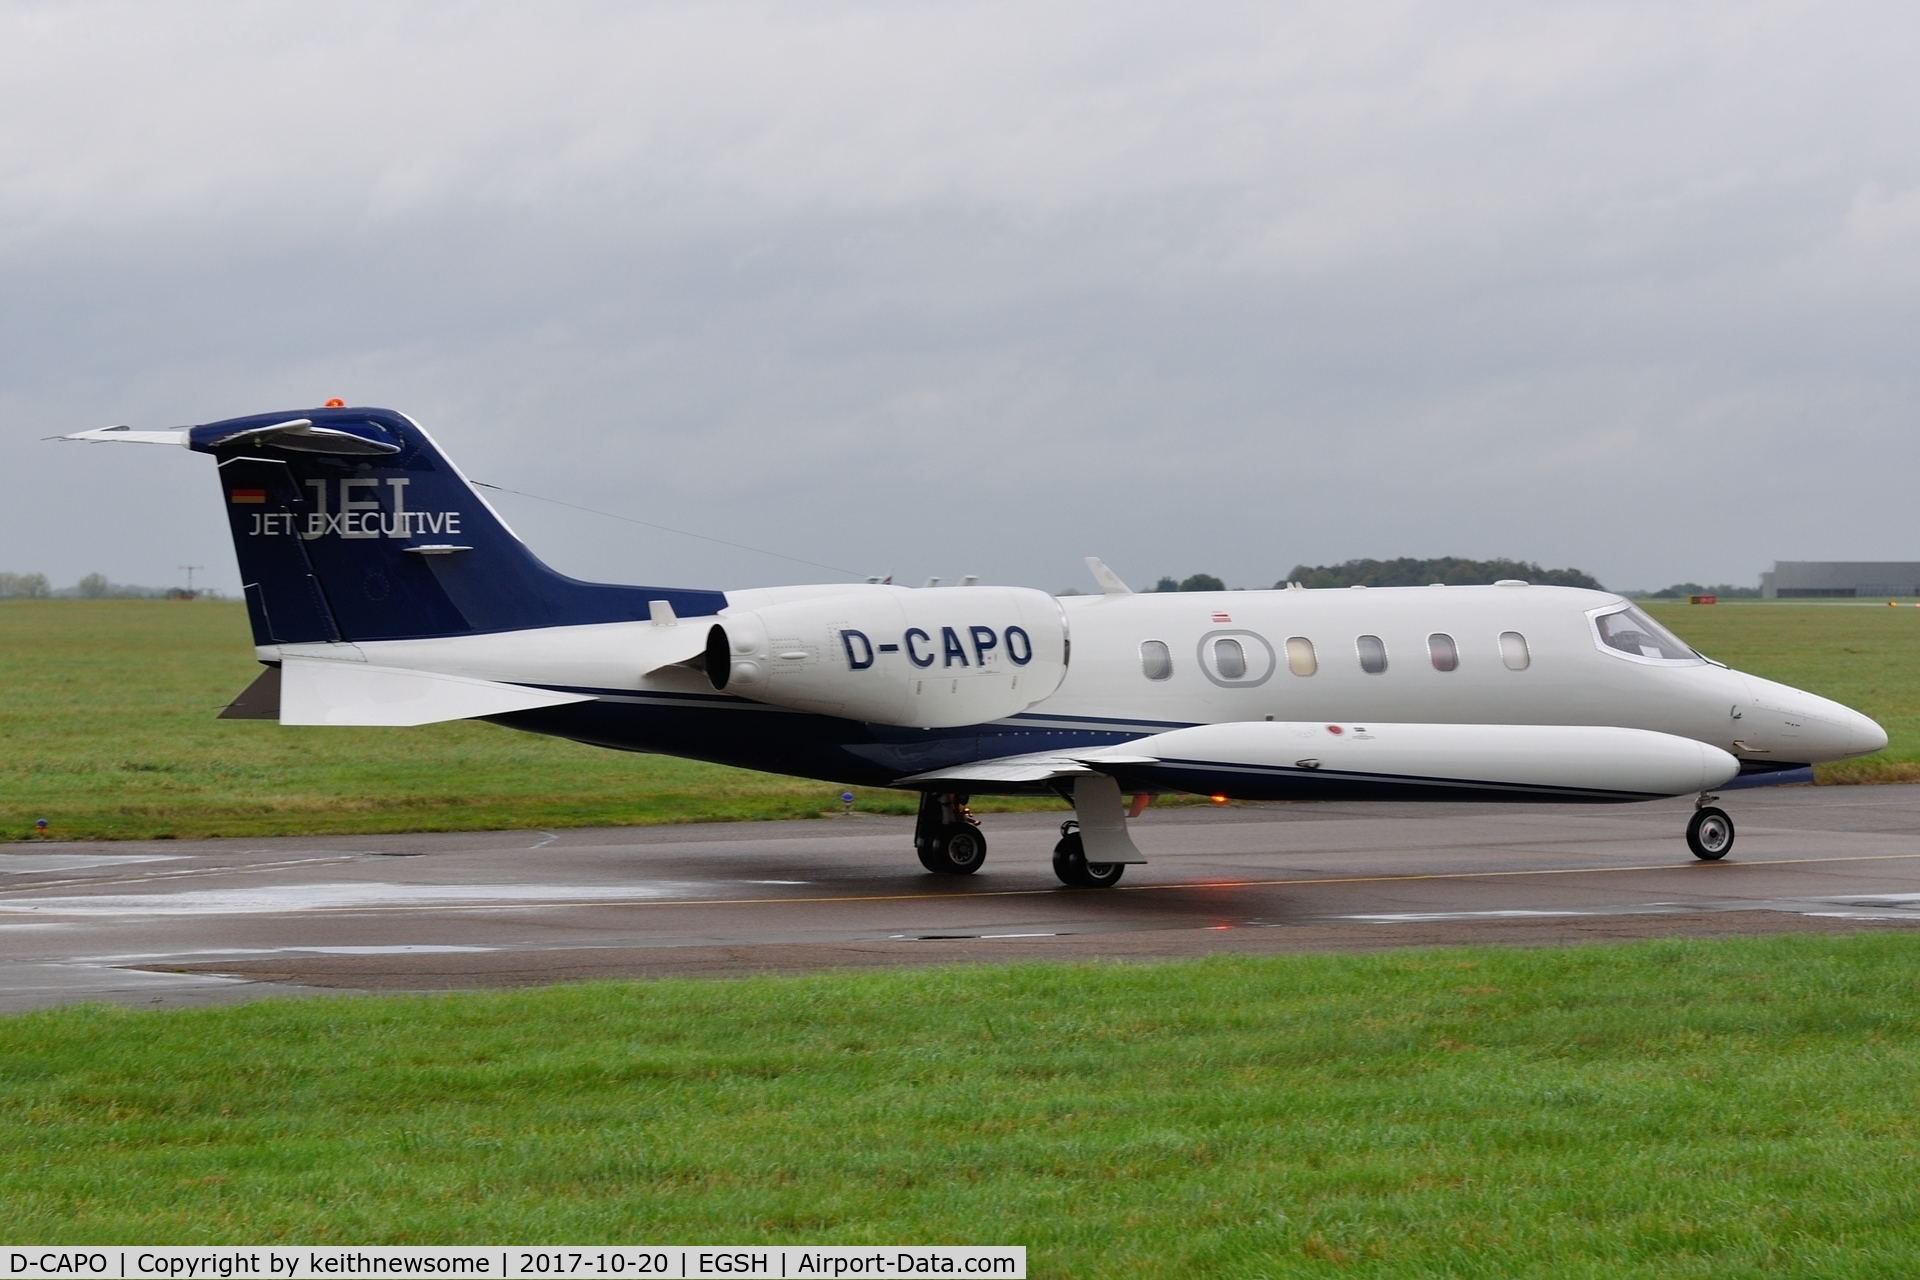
(1071, 865)
(955, 851)
(946, 838)
(1710, 834)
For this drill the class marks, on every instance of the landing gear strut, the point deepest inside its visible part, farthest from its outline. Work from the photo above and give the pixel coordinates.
(1071, 865)
(948, 837)
(1710, 833)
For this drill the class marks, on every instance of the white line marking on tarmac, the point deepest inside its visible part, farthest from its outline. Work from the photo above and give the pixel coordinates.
(405, 950)
(277, 899)
(21, 864)
(1893, 906)
(1427, 917)
(176, 875)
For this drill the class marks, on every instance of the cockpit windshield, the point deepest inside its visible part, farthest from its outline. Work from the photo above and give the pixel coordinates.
(1632, 632)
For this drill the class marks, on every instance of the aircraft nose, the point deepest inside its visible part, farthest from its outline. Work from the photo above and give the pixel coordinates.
(1866, 734)
(1851, 733)
(1815, 729)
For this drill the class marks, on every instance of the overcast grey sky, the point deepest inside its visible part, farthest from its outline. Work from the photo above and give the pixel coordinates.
(984, 288)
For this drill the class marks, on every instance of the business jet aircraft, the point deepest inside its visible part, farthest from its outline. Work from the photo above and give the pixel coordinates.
(383, 589)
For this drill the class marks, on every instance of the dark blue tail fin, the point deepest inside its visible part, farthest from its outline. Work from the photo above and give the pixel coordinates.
(351, 525)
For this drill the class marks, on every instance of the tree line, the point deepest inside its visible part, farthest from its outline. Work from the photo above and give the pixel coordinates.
(34, 586)
(1407, 571)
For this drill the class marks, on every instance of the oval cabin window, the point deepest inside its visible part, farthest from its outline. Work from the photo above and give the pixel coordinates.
(1513, 650)
(1443, 651)
(1373, 654)
(1300, 659)
(1229, 658)
(1156, 660)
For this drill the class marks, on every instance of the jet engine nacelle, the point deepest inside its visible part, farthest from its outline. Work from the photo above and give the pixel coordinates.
(889, 655)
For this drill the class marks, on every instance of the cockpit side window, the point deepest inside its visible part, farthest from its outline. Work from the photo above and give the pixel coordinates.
(1633, 633)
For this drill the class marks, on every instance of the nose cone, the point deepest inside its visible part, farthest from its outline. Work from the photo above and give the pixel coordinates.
(1867, 734)
(1840, 730)
(1792, 724)
(1836, 732)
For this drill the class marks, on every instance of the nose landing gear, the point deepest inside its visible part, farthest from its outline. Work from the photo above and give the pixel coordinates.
(1710, 832)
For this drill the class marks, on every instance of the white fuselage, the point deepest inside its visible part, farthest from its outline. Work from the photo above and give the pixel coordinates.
(1558, 673)
(1569, 678)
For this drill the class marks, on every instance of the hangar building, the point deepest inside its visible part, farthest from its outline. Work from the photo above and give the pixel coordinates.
(1799, 579)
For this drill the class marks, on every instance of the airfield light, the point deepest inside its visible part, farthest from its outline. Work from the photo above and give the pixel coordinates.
(1219, 799)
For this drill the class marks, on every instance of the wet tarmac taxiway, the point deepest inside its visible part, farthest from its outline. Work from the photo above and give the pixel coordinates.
(176, 922)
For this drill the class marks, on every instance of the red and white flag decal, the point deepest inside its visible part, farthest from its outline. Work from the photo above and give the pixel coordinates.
(249, 495)
(1218, 617)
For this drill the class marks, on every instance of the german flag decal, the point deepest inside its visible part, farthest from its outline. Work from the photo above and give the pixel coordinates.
(249, 495)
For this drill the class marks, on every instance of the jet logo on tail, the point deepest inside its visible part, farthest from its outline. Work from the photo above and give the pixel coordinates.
(355, 513)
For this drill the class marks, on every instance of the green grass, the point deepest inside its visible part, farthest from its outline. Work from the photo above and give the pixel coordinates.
(107, 730)
(1867, 658)
(1729, 1108)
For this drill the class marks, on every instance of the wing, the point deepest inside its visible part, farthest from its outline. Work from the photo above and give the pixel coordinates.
(1039, 767)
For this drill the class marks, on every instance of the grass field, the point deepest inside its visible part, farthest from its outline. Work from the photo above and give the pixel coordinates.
(107, 731)
(1732, 1108)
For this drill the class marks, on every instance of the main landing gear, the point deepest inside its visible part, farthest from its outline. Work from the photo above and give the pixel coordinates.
(1710, 833)
(1071, 865)
(948, 837)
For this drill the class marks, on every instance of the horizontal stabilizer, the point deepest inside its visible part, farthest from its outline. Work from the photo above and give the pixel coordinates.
(301, 436)
(127, 435)
(324, 692)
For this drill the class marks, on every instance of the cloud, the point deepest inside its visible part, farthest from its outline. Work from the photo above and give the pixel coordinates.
(986, 287)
